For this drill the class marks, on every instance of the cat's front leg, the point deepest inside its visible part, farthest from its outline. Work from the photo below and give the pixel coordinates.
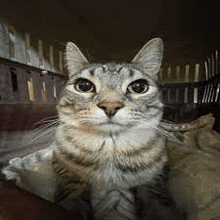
(113, 204)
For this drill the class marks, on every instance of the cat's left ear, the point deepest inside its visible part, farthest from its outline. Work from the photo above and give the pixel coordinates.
(150, 57)
(75, 60)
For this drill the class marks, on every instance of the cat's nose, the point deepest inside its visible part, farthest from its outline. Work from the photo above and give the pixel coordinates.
(110, 108)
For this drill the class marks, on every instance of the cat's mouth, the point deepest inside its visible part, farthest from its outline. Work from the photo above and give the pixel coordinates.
(111, 123)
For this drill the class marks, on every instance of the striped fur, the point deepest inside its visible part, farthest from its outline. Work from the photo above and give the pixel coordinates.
(106, 156)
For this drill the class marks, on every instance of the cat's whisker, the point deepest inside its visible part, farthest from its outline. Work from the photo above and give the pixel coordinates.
(51, 130)
(169, 135)
(47, 119)
(38, 135)
(44, 129)
(47, 125)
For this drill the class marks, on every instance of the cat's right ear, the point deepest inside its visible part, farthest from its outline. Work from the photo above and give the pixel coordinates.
(75, 60)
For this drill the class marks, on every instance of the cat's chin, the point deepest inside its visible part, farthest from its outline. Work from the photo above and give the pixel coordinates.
(110, 127)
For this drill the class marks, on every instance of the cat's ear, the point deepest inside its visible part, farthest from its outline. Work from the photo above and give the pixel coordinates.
(75, 60)
(150, 57)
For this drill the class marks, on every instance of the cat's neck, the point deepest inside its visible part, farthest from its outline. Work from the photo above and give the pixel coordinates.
(94, 140)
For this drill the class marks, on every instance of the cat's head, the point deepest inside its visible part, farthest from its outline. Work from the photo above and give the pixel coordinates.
(112, 97)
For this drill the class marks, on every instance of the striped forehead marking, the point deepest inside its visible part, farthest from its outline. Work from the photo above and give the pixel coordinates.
(92, 71)
(112, 68)
(131, 72)
(102, 69)
(116, 69)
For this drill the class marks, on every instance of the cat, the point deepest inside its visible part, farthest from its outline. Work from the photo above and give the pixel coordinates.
(108, 141)
(108, 159)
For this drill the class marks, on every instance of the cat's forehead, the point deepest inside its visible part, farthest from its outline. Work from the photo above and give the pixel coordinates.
(111, 70)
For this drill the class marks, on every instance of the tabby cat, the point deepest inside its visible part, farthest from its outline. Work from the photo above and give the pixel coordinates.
(108, 142)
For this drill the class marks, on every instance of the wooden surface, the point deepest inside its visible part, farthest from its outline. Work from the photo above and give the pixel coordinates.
(16, 204)
(20, 117)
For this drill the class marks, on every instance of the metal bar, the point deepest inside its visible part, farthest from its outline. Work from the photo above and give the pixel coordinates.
(217, 92)
(207, 93)
(196, 79)
(210, 93)
(213, 66)
(187, 73)
(195, 95)
(206, 71)
(186, 91)
(30, 85)
(213, 94)
(54, 89)
(209, 68)
(204, 94)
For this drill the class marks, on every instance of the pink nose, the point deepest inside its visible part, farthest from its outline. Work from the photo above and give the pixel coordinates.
(110, 108)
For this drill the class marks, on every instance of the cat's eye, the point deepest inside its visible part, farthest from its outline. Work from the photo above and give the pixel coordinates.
(139, 86)
(84, 85)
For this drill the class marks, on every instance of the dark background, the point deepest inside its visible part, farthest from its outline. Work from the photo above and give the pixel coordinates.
(115, 30)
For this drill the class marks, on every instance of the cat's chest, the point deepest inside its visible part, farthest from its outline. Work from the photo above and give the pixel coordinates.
(116, 169)
(117, 162)
(107, 169)
(109, 174)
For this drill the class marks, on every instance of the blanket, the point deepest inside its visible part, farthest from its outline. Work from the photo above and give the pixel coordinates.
(194, 179)
(195, 176)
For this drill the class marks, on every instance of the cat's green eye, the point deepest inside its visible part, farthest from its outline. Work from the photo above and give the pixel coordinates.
(84, 85)
(139, 86)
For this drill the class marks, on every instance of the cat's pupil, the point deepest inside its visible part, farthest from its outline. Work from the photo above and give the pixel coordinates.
(138, 87)
(84, 85)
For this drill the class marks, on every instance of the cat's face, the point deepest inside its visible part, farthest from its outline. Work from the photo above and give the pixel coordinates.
(112, 97)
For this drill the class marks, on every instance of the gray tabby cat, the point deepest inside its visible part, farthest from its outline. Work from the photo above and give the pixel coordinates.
(108, 141)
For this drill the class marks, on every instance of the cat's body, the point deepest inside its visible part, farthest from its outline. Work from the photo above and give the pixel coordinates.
(108, 141)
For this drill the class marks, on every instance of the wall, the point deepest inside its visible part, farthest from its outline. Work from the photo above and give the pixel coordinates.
(22, 48)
